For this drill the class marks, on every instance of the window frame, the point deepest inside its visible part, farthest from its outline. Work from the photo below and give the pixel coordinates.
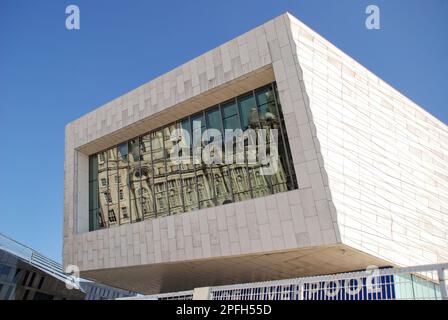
(291, 179)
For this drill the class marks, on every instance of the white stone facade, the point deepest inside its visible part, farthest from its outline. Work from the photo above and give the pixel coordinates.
(371, 168)
(385, 157)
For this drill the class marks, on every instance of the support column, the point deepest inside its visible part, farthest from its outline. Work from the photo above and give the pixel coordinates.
(442, 283)
(201, 293)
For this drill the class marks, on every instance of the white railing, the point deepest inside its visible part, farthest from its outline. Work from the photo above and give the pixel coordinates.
(35, 259)
(181, 295)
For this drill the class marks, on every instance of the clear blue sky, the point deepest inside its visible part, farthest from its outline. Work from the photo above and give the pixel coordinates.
(50, 76)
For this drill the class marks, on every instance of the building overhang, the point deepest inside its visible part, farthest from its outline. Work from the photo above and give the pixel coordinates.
(186, 275)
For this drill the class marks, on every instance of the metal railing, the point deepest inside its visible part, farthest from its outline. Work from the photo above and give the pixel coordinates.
(428, 282)
(181, 295)
(35, 259)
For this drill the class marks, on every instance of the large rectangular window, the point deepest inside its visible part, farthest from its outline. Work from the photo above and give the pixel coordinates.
(140, 178)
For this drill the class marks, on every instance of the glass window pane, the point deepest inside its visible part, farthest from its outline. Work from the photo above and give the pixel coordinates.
(102, 189)
(267, 108)
(230, 115)
(232, 123)
(240, 182)
(147, 194)
(198, 128)
(169, 146)
(93, 167)
(187, 140)
(112, 192)
(248, 112)
(134, 175)
(175, 194)
(189, 176)
(161, 196)
(173, 173)
(280, 178)
(261, 184)
(93, 193)
(146, 199)
(205, 185)
(158, 156)
(158, 153)
(222, 182)
(219, 176)
(123, 184)
(214, 119)
(189, 190)
(229, 108)
(203, 174)
(123, 151)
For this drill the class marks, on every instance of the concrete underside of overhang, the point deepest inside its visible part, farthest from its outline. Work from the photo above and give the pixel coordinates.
(186, 275)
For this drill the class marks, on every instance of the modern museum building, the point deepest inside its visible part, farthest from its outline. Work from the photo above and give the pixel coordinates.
(360, 173)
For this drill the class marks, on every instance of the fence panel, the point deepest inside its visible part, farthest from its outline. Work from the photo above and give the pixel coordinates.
(410, 283)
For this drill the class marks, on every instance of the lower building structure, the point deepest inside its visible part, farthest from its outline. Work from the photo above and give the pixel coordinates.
(26, 274)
